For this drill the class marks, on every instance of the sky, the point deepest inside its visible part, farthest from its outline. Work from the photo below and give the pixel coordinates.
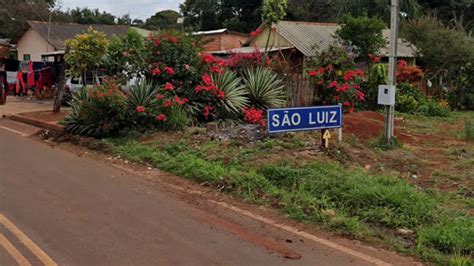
(142, 9)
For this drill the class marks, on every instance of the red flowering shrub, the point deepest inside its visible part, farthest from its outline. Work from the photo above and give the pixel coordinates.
(254, 116)
(408, 74)
(241, 61)
(97, 112)
(337, 79)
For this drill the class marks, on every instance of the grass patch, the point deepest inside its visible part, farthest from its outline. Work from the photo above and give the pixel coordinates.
(346, 200)
(469, 130)
(382, 143)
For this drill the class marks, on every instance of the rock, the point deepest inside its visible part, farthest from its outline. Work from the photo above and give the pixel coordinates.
(404, 232)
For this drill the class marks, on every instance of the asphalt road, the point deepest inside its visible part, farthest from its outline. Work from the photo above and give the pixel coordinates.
(58, 208)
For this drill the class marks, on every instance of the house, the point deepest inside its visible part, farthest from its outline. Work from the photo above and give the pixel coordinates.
(221, 40)
(50, 38)
(304, 40)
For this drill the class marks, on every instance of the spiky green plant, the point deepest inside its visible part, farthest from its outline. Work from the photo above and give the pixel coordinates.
(144, 94)
(265, 90)
(73, 122)
(235, 99)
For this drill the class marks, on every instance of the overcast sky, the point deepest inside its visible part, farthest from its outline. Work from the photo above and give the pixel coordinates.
(142, 9)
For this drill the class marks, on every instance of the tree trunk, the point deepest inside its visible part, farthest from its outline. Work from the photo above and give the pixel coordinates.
(58, 95)
(265, 54)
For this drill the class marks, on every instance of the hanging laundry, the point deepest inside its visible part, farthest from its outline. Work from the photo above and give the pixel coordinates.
(47, 77)
(39, 82)
(31, 75)
(38, 65)
(20, 84)
(12, 77)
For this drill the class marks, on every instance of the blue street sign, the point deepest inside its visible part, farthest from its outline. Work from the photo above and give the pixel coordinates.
(304, 118)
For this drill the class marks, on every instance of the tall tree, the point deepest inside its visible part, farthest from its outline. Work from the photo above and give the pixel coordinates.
(242, 16)
(315, 10)
(364, 34)
(15, 13)
(166, 19)
(124, 20)
(376, 8)
(201, 14)
(91, 16)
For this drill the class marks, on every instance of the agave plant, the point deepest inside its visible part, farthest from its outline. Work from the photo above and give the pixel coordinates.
(73, 122)
(143, 94)
(264, 88)
(235, 99)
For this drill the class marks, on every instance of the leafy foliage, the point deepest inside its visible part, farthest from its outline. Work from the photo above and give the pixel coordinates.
(364, 34)
(409, 98)
(242, 16)
(273, 10)
(433, 108)
(337, 79)
(446, 51)
(87, 52)
(165, 19)
(97, 113)
(264, 88)
(126, 55)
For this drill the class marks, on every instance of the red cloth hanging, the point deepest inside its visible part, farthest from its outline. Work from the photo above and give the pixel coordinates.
(39, 83)
(19, 82)
(31, 75)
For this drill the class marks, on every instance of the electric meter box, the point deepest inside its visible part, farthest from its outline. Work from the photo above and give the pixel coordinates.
(386, 95)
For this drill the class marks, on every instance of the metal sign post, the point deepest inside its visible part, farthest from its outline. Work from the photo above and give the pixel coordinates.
(394, 28)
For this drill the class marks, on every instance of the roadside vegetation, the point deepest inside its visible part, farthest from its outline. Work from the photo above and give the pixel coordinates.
(203, 118)
(382, 204)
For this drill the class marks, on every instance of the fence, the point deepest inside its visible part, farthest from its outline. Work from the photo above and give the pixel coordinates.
(300, 91)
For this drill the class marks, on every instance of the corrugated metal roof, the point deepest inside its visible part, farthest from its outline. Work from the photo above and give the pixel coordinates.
(60, 32)
(312, 37)
(249, 49)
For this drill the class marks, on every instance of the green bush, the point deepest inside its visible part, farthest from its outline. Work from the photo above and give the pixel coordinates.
(178, 118)
(97, 112)
(433, 108)
(406, 104)
(409, 98)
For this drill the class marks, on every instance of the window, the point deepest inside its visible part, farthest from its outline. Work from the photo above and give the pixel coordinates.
(26, 57)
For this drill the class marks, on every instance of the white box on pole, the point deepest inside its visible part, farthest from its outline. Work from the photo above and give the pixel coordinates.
(386, 95)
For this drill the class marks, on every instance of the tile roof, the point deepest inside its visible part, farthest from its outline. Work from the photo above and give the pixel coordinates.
(60, 32)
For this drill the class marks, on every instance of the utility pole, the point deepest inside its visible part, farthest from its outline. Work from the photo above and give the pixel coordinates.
(392, 77)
